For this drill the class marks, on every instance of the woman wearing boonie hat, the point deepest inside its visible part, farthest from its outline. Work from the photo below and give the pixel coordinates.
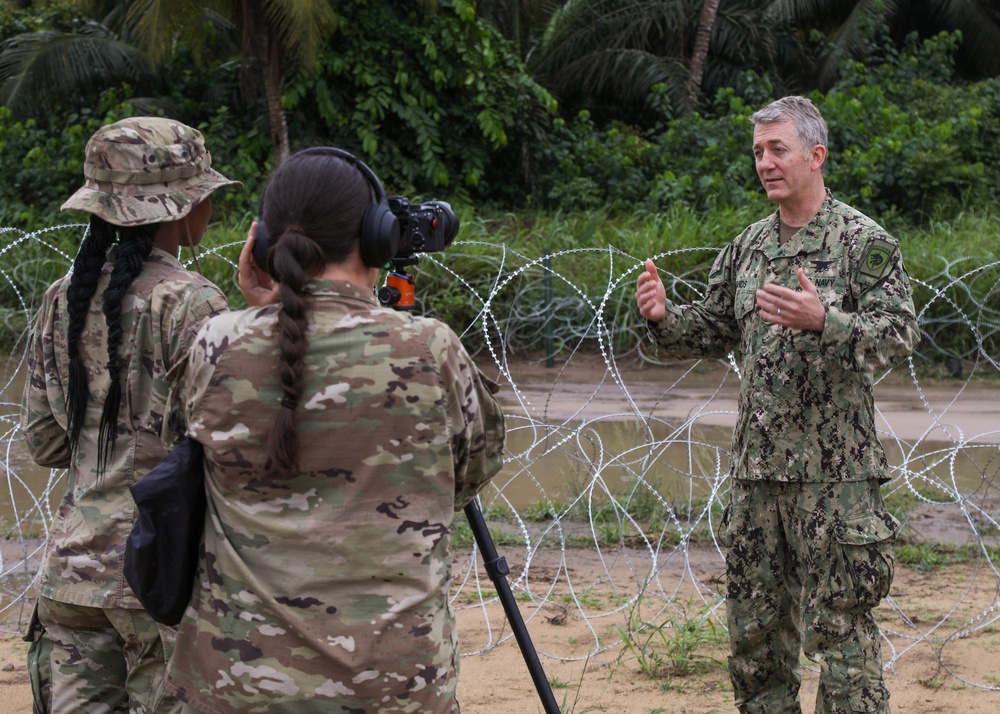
(105, 337)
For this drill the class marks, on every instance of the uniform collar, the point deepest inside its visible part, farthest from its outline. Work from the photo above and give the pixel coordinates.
(340, 289)
(164, 256)
(805, 240)
(160, 256)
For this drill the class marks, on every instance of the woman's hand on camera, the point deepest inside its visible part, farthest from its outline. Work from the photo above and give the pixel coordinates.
(257, 286)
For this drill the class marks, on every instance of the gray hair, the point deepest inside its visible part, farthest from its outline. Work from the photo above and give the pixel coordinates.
(810, 126)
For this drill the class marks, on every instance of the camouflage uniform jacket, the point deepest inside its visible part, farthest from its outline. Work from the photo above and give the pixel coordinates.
(328, 590)
(161, 313)
(806, 405)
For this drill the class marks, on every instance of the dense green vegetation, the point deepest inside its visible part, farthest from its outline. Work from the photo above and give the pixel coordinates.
(443, 104)
(461, 101)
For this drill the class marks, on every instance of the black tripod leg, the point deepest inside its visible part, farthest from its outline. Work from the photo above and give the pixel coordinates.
(496, 568)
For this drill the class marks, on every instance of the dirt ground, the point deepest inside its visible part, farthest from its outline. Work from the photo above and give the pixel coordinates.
(929, 677)
(943, 651)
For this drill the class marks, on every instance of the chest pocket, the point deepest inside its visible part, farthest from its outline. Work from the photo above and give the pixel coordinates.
(832, 288)
(749, 278)
(746, 303)
(831, 284)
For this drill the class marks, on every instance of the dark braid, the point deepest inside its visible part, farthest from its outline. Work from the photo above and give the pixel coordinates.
(293, 258)
(313, 208)
(134, 247)
(82, 286)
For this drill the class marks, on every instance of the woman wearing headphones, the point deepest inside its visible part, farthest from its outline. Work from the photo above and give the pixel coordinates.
(340, 439)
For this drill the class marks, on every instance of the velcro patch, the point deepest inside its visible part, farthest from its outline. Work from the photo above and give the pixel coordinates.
(876, 260)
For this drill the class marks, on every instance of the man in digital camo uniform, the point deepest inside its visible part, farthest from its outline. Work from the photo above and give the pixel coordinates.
(815, 298)
(148, 186)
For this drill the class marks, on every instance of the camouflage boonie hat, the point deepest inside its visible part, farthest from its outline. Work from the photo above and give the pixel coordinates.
(145, 170)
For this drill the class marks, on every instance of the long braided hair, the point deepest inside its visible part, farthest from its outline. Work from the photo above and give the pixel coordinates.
(134, 245)
(313, 208)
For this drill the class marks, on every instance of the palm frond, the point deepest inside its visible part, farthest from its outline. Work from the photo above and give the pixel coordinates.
(979, 22)
(38, 68)
(302, 26)
(623, 75)
(157, 24)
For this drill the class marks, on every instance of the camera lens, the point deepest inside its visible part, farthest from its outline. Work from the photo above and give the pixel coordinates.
(446, 222)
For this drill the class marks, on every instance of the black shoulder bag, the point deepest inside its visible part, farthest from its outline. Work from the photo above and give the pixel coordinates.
(161, 553)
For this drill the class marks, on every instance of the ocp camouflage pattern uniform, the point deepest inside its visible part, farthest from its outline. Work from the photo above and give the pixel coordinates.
(328, 590)
(83, 562)
(93, 648)
(808, 537)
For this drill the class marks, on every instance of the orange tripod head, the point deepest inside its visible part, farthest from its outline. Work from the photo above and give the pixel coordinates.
(398, 291)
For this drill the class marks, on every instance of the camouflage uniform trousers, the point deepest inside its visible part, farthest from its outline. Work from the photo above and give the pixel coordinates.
(806, 565)
(97, 661)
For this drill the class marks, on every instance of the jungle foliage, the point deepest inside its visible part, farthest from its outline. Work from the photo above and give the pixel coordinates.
(444, 104)
(461, 101)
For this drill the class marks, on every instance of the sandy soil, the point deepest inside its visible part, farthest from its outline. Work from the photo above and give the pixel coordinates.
(944, 656)
(927, 678)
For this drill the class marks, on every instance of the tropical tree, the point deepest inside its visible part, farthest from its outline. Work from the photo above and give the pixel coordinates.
(272, 33)
(434, 99)
(607, 55)
(847, 26)
(50, 54)
(612, 52)
(702, 38)
(520, 21)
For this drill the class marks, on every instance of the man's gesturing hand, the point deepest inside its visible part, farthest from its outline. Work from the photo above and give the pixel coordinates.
(798, 309)
(650, 295)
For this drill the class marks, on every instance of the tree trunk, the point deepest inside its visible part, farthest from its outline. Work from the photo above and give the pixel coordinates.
(272, 90)
(702, 38)
(262, 61)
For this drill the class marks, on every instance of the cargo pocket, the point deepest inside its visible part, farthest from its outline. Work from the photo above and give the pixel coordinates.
(162, 700)
(39, 665)
(865, 561)
(870, 700)
(494, 424)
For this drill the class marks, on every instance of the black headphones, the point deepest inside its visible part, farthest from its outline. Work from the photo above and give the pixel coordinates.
(379, 226)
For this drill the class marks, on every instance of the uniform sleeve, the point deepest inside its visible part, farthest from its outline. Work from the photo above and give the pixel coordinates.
(478, 427)
(883, 327)
(187, 319)
(43, 410)
(174, 427)
(707, 327)
(189, 316)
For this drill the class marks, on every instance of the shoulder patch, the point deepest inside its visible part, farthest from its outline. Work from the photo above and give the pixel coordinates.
(877, 257)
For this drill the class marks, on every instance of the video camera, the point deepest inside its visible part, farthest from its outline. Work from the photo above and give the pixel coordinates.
(425, 228)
